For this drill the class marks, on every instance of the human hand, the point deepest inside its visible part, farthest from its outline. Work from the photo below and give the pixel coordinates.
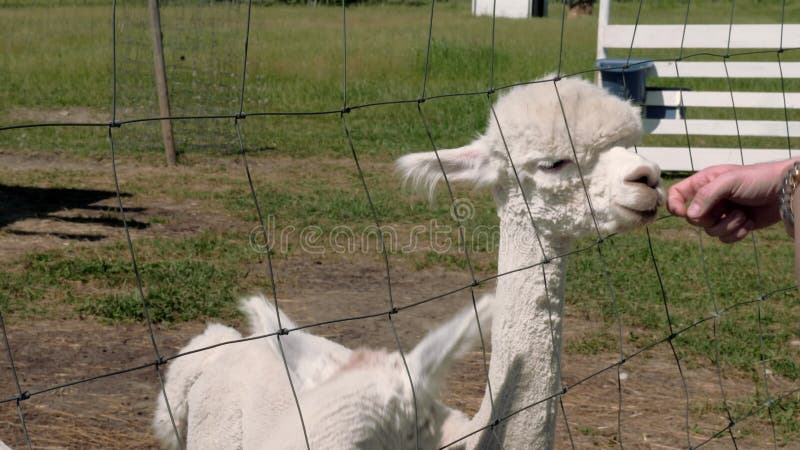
(729, 201)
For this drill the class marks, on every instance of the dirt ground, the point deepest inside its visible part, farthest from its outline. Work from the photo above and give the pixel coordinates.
(115, 411)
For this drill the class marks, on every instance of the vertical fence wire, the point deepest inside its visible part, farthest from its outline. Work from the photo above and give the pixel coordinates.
(128, 240)
(244, 59)
(684, 114)
(270, 268)
(561, 39)
(714, 338)
(138, 279)
(384, 252)
(534, 228)
(779, 59)
(492, 47)
(651, 251)
(672, 335)
(606, 275)
(681, 105)
(717, 313)
(427, 56)
(761, 343)
(754, 240)
(145, 309)
(113, 61)
(462, 238)
(604, 268)
(454, 209)
(273, 287)
(20, 394)
(559, 71)
(381, 241)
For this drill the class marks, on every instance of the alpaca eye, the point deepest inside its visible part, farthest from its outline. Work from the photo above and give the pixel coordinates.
(553, 165)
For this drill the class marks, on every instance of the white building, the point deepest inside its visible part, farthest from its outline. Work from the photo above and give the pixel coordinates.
(510, 8)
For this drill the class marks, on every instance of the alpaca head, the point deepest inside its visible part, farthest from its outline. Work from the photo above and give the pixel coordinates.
(561, 136)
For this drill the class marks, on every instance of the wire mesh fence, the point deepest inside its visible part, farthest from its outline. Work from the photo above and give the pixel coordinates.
(201, 64)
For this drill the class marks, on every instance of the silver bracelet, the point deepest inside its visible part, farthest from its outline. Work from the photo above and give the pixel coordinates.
(787, 190)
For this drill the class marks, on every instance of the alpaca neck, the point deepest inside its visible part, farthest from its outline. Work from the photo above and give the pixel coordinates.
(525, 365)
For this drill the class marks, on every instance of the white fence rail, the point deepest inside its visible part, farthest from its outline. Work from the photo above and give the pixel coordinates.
(736, 38)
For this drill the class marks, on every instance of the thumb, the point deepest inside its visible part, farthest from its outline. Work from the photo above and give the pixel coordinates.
(708, 197)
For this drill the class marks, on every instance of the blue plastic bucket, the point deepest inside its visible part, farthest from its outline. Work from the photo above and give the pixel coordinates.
(625, 78)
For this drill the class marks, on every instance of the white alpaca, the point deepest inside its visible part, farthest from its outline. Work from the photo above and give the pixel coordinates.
(624, 190)
(238, 396)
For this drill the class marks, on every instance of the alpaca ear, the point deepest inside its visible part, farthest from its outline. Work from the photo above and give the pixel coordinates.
(470, 163)
(429, 360)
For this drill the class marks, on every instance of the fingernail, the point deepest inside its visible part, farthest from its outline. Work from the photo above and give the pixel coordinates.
(693, 211)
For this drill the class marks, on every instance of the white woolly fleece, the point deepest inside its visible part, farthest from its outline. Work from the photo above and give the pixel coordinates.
(238, 396)
(557, 156)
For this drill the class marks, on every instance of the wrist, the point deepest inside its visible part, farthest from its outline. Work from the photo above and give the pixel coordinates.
(795, 207)
(788, 201)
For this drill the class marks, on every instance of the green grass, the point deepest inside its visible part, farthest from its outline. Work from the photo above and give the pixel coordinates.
(295, 64)
(188, 279)
(730, 278)
(387, 46)
(703, 11)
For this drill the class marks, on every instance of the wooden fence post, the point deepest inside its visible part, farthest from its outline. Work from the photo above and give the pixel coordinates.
(161, 83)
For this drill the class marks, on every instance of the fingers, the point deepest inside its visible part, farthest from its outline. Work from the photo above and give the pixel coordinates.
(706, 192)
(707, 207)
(729, 201)
(685, 190)
(735, 237)
(676, 202)
(681, 193)
(731, 228)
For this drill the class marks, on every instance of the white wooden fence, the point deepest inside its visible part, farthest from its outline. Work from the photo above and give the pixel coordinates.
(730, 38)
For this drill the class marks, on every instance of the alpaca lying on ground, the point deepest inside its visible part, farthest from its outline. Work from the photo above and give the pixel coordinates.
(238, 395)
(574, 174)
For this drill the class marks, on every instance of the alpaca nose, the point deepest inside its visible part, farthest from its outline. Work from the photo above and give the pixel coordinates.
(644, 174)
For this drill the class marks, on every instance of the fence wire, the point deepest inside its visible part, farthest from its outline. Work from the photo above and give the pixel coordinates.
(234, 120)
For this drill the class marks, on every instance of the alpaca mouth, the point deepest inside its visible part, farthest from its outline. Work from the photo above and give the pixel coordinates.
(639, 212)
